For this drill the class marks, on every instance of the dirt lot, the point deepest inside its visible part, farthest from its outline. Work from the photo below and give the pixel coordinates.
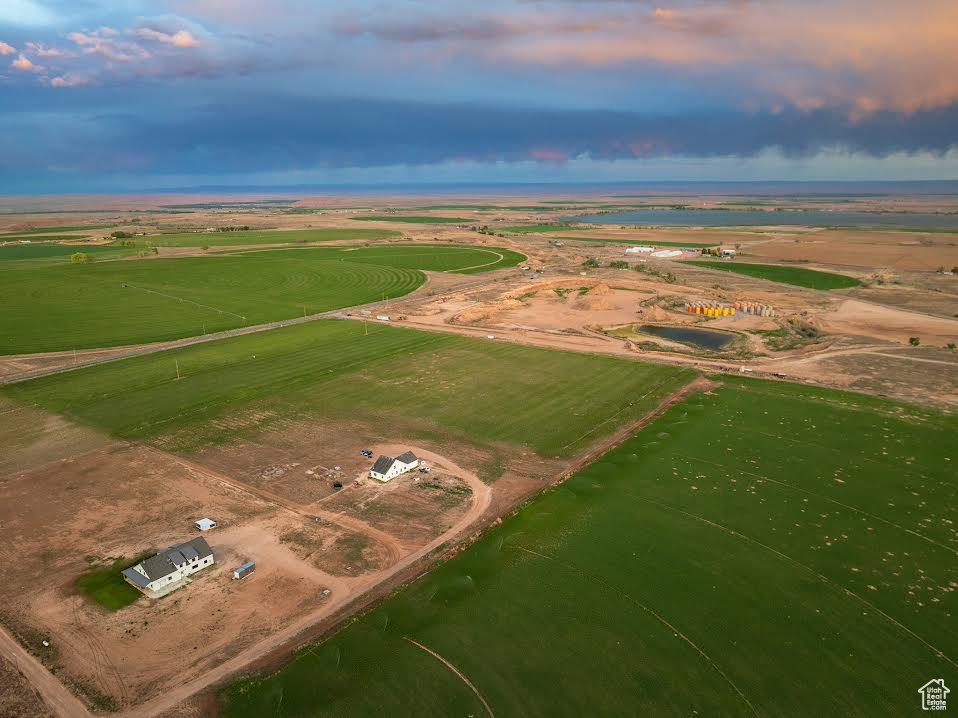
(18, 699)
(313, 550)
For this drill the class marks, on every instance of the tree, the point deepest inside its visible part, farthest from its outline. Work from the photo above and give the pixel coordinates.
(80, 258)
(950, 345)
(914, 341)
(591, 263)
(121, 235)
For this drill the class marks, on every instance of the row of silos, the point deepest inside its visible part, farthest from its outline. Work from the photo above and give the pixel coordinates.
(718, 309)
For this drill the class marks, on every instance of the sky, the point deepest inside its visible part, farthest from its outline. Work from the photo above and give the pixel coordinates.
(129, 95)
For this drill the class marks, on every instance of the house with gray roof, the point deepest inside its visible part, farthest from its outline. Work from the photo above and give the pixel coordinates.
(387, 467)
(158, 575)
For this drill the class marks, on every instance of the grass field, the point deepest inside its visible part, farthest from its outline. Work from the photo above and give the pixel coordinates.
(63, 306)
(412, 219)
(762, 550)
(60, 228)
(266, 236)
(797, 276)
(413, 382)
(106, 586)
(61, 251)
(42, 237)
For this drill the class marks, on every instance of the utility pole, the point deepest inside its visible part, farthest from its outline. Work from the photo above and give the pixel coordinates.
(365, 329)
(177, 362)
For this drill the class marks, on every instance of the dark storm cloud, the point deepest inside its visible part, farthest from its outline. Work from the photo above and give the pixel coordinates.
(271, 133)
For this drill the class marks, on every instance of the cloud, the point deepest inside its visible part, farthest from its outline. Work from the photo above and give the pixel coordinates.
(262, 133)
(6, 49)
(22, 62)
(180, 38)
(38, 49)
(70, 79)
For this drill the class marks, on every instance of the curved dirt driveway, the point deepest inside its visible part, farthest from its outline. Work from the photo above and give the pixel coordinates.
(481, 499)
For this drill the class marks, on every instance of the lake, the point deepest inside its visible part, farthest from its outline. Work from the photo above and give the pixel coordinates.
(738, 218)
(704, 338)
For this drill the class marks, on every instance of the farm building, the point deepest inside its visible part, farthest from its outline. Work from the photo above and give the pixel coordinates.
(640, 250)
(727, 252)
(160, 574)
(387, 467)
(243, 571)
(205, 524)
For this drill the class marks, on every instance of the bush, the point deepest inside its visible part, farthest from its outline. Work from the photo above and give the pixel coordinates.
(80, 258)
(619, 264)
(591, 263)
(914, 341)
(121, 235)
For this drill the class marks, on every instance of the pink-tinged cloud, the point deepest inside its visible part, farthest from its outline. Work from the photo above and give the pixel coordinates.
(22, 62)
(541, 154)
(38, 49)
(181, 38)
(6, 49)
(70, 79)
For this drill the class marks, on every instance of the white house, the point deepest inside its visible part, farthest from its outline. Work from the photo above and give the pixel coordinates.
(156, 575)
(386, 467)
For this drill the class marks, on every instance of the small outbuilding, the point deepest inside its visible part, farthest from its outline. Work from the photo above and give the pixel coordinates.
(243, 571)
(205, 524)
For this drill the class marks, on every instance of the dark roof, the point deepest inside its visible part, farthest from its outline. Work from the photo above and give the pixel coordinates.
(158, 566)
(136, 577)
(167, 561)
(407, 458)
(382, 464)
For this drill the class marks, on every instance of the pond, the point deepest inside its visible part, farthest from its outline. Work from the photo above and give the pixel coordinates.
(703, 338)
(739, 218)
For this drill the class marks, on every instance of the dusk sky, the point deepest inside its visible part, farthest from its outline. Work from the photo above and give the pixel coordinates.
(132, 95)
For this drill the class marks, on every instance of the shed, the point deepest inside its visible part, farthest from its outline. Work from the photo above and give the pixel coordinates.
(205, 524)
(243, 571)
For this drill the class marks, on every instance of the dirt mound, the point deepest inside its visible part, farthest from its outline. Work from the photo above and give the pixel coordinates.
(485, 311)
(594, 304)
(600, 288)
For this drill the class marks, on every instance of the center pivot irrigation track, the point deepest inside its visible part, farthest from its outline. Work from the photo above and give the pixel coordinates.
(455, 670)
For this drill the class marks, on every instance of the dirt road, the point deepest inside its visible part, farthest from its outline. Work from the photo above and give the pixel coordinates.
(482, 498)
(54, 693)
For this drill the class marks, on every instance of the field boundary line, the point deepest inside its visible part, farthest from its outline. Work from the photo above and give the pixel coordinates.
(455, 670)
(660, 618)
(828, 499)
(821, 577)
(188, 301)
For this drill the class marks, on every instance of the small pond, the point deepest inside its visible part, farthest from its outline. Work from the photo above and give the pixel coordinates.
(703, 338)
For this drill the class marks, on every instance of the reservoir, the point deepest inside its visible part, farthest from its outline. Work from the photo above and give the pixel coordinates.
(703, 338)
(738, 218)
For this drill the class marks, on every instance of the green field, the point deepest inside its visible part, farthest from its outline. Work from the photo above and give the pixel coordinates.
(797, 276)
(48, 230)
(762, 550)
(43, 237)
(412, 219)
(61, 251)
(106, 585)
(266, 236)
(535, 228)
(409, 381)
(64, 306)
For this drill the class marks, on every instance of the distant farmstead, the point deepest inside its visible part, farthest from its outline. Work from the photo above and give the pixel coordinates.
(387, 467)
(160, 574)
